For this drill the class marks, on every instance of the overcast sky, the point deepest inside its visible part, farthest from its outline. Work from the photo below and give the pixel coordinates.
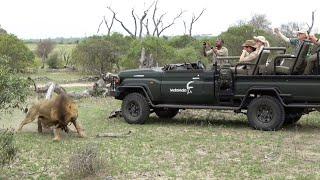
(79, 18)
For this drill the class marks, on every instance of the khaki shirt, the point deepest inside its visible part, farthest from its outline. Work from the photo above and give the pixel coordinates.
(249, 57)
(220, 53)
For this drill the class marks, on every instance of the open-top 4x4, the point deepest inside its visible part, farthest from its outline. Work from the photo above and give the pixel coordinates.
(271, 94)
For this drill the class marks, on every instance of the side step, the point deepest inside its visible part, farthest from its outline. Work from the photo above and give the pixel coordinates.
(181, 106)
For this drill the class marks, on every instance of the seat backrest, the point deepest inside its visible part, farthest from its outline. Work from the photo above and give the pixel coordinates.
(261, 61)
(298, 65)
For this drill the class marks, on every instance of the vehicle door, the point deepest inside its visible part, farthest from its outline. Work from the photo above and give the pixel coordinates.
(186, 87)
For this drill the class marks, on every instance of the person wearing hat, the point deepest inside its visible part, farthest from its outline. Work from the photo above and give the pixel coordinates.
(301, 36)
(261, 42)
(249, 53)
(218, 51)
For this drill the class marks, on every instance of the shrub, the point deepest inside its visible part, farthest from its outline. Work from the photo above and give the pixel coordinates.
(8, 150)
(54, 61)
(87, 161)
(16, 53)
(95, 54)
(13, 89)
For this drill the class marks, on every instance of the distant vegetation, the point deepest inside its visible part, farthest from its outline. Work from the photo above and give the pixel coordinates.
(114, 52)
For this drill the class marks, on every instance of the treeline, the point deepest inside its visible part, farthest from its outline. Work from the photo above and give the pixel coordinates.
(116, 52)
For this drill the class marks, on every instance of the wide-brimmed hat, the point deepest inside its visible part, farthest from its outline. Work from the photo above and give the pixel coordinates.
(260, 38)
(250, 43)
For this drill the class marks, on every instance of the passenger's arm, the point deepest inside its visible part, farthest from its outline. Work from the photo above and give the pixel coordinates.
(243, 55)
(314, 40)
(209, 52)
(276, 30)
(249, 58)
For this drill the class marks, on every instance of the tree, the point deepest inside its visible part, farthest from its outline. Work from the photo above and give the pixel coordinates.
(13, 89)
(95, 55)
(193, 20)
(260, 21)
(290, 28)
(15, 54)
(44, 48)
(158, 24)
(65, 56)
(54, 61)
(135, 17)
(142, 22)
(158, 48)
(2, 31)
(109, 25)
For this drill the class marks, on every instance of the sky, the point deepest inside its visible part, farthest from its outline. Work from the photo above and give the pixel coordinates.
(33, 19)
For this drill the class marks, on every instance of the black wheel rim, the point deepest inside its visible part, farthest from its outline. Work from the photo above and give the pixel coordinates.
(264, 114)
(134, 109)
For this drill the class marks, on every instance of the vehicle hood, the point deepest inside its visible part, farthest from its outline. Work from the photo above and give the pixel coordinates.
(140, 73)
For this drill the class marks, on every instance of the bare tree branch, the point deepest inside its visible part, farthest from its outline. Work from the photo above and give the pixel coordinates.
(135, 22)
(193, 20)
(154, 18)
(111, 24)
(312, 22)
(123, 26)
(141, 22)
(109, 27)
(146, 25)
(172, 23)
(99, 26)
(157, 23)
(185, 27)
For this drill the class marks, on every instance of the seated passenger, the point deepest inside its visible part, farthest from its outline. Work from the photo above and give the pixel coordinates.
(312, 59)
(261, 42)
(249, 53)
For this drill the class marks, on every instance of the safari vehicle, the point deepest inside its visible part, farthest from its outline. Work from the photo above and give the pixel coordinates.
(273, 93)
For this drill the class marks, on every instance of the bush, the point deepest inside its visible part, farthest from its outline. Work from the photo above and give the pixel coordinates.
(13, 89)
(95, 54)
(188, 54)
(54, 61)
(16, 53)
(85, 162)
(158, 47)
(8, 150)
(181, 41)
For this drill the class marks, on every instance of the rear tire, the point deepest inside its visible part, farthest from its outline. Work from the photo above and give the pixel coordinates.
(135, 108)
(266, 113)
(167, 113)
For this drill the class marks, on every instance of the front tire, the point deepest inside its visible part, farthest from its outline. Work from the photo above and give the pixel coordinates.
(135, 108)
(167, 113)
(266, 113)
